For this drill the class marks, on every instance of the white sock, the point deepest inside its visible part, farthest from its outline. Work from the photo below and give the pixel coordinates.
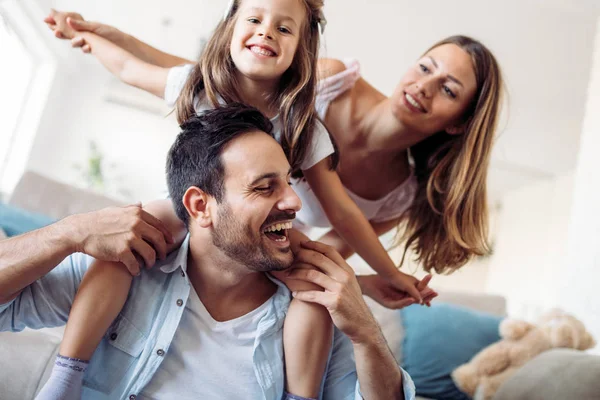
(66, 380)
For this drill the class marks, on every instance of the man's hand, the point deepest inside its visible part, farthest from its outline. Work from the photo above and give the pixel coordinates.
(385, 293)
(120, 234)
(341, 296)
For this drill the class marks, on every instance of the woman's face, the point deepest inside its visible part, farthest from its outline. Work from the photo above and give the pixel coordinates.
(435, 93)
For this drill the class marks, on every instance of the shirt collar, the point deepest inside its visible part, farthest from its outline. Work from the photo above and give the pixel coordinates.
(177, 259)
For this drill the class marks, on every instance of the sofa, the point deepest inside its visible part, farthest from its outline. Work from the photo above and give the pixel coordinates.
(27, 357)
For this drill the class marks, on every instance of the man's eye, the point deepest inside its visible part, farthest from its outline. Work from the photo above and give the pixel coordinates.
(263, 189)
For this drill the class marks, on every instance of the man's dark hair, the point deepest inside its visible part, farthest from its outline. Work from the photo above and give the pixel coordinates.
(195, 157)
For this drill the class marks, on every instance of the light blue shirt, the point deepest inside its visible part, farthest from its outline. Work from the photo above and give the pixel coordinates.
(134, 346)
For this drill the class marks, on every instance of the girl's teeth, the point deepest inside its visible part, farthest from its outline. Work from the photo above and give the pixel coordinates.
(261, 51)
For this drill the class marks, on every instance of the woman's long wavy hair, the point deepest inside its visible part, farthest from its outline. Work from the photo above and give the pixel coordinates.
(447, 223)
(214, 77)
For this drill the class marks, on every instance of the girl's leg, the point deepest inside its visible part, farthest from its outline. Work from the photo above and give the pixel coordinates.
(100, 297)
(307, 340)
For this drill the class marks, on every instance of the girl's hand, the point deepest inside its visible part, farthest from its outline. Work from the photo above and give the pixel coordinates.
(383, 291)
(58, 22)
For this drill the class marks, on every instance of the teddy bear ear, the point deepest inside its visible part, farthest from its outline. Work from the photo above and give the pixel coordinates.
(588, 342)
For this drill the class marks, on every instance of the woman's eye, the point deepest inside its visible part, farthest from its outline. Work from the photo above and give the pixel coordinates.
(423, 68)
(449, 92)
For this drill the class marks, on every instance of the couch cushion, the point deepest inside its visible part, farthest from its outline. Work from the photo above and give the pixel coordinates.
(15, 221)
(39, 194)
(439, 339)
(27, 359)
(555, 374)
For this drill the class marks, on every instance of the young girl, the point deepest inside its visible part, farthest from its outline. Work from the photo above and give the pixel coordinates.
(263, 53)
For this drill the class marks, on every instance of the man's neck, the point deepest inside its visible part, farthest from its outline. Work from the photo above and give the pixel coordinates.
(227, 289)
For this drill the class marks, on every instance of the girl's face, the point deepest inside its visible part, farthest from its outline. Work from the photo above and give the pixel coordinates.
(266, 36)
(436, 92)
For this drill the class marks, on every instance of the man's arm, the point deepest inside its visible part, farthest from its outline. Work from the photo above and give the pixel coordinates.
(378, 374)
(110, 234)
(26, 258)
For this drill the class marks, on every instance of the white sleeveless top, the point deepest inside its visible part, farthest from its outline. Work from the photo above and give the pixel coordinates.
(389, 207)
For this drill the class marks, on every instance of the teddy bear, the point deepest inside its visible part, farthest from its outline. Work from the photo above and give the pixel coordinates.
(481, 377)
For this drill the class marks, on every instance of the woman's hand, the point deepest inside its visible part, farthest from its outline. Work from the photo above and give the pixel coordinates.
(384, 291)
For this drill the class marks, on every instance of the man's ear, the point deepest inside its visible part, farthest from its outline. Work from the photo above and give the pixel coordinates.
(195, 201)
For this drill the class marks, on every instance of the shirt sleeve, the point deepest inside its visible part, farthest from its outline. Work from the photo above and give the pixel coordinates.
(320, 147)
(341, 380)
(46, 302)
(176, 79)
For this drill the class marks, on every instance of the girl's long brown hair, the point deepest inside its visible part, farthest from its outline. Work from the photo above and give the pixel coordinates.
(447, 223)
(214, 76)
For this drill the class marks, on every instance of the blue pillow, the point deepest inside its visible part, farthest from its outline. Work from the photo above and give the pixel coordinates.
(439, 339)
(15, 221)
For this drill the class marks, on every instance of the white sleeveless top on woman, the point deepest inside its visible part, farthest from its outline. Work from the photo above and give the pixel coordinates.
(388, 207)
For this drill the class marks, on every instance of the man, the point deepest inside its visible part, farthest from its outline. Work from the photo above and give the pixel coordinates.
(208, 316)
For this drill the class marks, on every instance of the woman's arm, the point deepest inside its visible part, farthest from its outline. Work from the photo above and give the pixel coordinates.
(67, 25)
(352, 226)
(125, 66)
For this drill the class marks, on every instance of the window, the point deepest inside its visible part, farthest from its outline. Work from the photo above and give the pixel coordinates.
(26, 73)
(16, 73)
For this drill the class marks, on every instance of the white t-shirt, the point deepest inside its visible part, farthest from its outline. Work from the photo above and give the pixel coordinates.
(320, 148)
(207, 359)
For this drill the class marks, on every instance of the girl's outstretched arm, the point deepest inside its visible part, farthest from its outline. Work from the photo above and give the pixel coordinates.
(125, 66)
(67, 25)
(353, 227)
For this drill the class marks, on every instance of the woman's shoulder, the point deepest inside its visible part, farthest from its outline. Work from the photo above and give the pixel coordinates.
(330, 66)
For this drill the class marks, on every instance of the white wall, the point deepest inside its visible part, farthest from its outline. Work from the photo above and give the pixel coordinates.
(582, 271)
(529, 259)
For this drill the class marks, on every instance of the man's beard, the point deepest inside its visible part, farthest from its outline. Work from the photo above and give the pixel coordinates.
(244, 245)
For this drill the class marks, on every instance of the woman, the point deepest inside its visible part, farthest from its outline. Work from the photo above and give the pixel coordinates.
(419, 158)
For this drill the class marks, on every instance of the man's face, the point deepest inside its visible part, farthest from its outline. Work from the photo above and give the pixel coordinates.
(252, 222)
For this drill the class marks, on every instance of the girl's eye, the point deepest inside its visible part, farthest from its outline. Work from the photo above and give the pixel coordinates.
(290, 183)
(253, 20)
(423, 68)
(449, 92)
(283, 29)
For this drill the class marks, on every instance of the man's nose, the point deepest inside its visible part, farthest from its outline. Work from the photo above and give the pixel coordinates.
(290, 200)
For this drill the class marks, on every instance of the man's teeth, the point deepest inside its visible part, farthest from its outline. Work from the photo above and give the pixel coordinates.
(413, 102)
(262, 51)
(278, 227)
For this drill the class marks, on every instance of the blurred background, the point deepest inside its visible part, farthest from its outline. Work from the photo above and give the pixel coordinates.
(62, 115)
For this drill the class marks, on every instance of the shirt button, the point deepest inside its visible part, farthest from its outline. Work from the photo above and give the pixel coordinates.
(182, 273)
(132, 397)
(113, 336)
(160, 352)
(179, 302)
